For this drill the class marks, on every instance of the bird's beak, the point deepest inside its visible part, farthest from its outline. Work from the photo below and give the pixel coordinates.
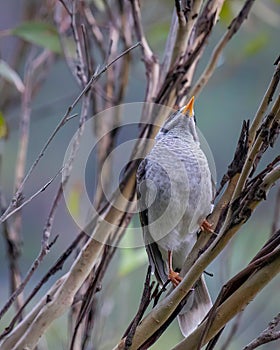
(188, 109)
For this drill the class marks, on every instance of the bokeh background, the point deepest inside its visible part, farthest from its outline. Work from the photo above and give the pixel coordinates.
(232, 95)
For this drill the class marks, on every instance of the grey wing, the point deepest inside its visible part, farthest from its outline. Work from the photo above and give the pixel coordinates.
(214, 190)
(154, 255)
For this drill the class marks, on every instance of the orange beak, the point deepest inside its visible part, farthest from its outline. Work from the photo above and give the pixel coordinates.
(189, 108)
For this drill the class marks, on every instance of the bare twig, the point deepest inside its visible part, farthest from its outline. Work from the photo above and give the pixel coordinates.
(165, 308)
(81, 268)
(198, 38)
(235, 302)
(33, 196)
(97, 34)
(13, 248)
(232, 29)
(145, 301)
(265, 102)
(255, 149)
(44, 251)
(267, 335)
(151, 62)
(276, 216)
(28, 93)
(57, 266)
(81, 73)
(239, 158)
(186, 19)
(65, 118)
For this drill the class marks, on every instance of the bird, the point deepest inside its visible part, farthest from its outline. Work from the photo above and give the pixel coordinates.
(175, 194)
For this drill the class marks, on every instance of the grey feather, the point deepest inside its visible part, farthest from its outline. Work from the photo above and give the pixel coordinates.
(197, 306)
(154, 255)
(175, 192)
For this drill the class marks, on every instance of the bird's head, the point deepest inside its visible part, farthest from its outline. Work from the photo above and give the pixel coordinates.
(180, 124)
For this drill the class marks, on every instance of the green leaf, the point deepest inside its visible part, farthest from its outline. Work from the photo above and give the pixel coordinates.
(226, 13)
(39, 33)
(7, 73)
(3, 127)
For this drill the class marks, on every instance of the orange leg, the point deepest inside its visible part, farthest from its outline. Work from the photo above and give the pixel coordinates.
(172, 275)
(206, 226)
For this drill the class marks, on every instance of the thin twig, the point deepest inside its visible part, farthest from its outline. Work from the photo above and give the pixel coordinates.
(265, 102)
(276, 216)
(267, 335)
(81, 267)
(254, 151)
(164, 309)
(43, 252)
(95, 30)
(57, 266)
(29, 91)
(145, 301)
(34, 195)
(65, 118)
(151, 62)
(80, 73)
(232, 29)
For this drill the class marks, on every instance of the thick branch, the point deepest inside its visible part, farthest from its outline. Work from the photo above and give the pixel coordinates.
(235, 303)
(160, 314)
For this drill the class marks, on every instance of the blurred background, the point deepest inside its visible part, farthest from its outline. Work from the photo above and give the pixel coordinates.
(232, 95)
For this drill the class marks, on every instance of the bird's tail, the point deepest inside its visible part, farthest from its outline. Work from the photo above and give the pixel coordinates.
(197, 306)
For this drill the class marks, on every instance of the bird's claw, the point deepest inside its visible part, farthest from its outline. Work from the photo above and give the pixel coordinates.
(174, 277)
(206, 226)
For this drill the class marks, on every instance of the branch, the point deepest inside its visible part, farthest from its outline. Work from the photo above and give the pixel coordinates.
(276, 216)
(151, 62)
(33, 196)
(11, 339)
(87, 258)
(232, 29)
(44, 251)
(31, 80)
(198, 40)
(160, 314)
(255, 149)
(186, 20)
(236, 302)
(267, 335)
(265, 102)
(65, 118)
(82, 65)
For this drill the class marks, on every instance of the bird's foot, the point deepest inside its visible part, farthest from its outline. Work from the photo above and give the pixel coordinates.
(174, 277)
(206, 226)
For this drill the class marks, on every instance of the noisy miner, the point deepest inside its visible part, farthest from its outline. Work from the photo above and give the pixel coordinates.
(175, 193)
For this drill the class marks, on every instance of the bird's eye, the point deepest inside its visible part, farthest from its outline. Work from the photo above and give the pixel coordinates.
(164, 131)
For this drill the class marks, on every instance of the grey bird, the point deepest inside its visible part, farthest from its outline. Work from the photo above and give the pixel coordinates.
(175, 192)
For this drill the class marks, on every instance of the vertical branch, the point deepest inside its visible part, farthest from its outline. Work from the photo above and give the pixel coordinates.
(14, 233)
(232, 29)
(81, 66)
(256, 147)
(207, 19)
(186, 21)
(265, 102)
(276, 216)
(150, 60)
